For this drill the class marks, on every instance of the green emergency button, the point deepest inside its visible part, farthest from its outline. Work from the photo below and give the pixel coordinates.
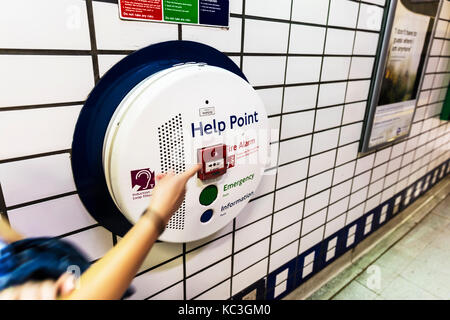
(208, 195)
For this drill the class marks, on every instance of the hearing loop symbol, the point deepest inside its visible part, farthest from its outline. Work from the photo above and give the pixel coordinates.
(143, 179)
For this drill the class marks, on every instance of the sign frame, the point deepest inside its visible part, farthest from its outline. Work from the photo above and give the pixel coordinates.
(122, 17)
(378, 76)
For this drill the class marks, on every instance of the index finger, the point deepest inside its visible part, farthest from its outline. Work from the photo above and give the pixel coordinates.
(189, 173)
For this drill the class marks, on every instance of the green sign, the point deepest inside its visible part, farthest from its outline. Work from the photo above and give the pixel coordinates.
(183, 11)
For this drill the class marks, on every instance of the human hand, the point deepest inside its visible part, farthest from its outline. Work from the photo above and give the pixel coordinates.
(169, 193)
(40, 290)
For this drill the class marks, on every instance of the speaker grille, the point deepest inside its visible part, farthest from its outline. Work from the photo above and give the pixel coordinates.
(172, 155)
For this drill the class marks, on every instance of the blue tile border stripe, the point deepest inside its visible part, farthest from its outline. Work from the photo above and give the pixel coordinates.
(313, 260)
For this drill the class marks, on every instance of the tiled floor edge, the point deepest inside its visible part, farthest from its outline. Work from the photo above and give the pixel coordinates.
(336, 245)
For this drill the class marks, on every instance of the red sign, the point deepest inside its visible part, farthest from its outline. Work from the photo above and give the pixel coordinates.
(141, 9)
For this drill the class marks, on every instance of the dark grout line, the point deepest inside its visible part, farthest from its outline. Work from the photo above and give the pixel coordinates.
(286, 62)
(301, 84)
(25, 204)
(68, 234)
(3, 209)
(241, 65)
(167, 288)
(41, 106)
(92, 36)
(46, 52)
(34, 156)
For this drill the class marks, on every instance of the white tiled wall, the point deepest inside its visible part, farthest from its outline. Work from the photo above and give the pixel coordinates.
(311, 62)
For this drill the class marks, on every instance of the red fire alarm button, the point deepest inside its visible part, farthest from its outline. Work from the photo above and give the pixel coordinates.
(213, 160)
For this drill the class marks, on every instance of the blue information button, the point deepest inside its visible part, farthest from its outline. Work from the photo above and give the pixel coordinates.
(206, 216)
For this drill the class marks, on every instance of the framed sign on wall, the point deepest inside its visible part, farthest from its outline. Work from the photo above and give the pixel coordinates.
(213, 13)
(402, 51)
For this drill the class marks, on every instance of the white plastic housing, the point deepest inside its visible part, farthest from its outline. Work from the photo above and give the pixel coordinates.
(160, 125)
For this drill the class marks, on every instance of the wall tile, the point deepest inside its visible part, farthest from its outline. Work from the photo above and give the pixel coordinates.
(256, 210)
(325, 140)
(252, 233)
(228, 40)
(94, 243)
(267, 183)
(272, 73)
(343, 13)
(300, 98)
(207, 278)
(347, 153)
(366, 43)
(265, 36)
(361, 67)
(334, 225)
(287, 216)
(294, 149)
(335, 68)
(282, 256)
(161, 252)
(27, 132)
(51, 218)
(296, 124)
(322, 162)
(361, 181)
(365, 163)
(284, 237)
(370, 17)
(251, 255)
(157, 279)
(357, 90)
(112, 33)
(272, 99)
(47, 79)
(358, 197)
(249, 276)
(331, 94)
(354, 112)
(45, 177)
(301, 35)
(220, 292)
(209, 254)
(292, 172)
(266, 8)
(328, 118)
(319, 182)
(314, 221)
(339, 41)
(343, 172)
(45, 25)
(303, 69)
(311, 11)
(340, 191)
(311, 239)
(289, 195)
(350, 133)
(338, 208)
(316, 203)
(173, 293)
(107, 61)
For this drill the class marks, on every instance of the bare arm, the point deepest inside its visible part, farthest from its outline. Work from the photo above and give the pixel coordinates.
(8, 234)
(111, 275)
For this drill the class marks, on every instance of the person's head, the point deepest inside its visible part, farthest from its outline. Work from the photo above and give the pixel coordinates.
(41, 290)
(39, 268)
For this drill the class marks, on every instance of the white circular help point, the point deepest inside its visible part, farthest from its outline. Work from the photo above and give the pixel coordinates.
(188, 114)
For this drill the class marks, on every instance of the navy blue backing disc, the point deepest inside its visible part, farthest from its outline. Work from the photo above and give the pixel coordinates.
(90, 130)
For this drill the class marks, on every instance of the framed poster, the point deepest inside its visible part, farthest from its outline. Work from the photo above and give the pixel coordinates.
(214, 13)
(404, 46)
